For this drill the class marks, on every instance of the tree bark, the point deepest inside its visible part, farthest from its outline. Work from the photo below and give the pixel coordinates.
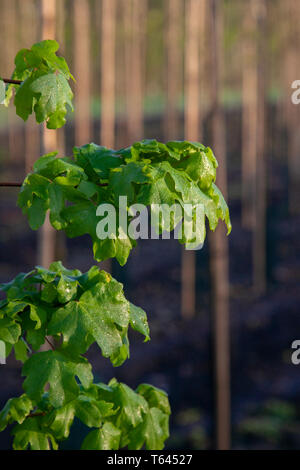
(219, 263)
(61, 244)
(135, 14)
(173, 74)
(249, 117)
(30, 35)
(11, 43)
(108, 32)
(82, 71)
(194, 33)
(47, 235)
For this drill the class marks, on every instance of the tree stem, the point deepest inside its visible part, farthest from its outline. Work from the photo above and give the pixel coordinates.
(11, 81)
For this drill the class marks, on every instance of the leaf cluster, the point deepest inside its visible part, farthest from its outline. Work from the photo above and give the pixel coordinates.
(149, 173)
(116, 417)
(77, 310)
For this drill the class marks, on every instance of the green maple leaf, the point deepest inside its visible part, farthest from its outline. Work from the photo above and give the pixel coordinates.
(44, 89)
(48, 95)
(90, 411)
(132, 405)
(21, 349)
(96, 160)
(122, 180)
(10, 331)
(154, 428)
(221, 206)
(31, 434)
(201, 167)
(142, 415)
(105, 438)
(152, 432)
(155, 397)
(59, 370)
(16, 409)
(99, 315)
(138, 321)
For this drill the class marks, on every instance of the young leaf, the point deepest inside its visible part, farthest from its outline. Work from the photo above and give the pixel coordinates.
(132, 406)
(44, 89)
(152, 432)
(96, 316)
(30, 434)
(105, 438)
(10, 331)
(16, 409)
(59, 370)
(138, 321)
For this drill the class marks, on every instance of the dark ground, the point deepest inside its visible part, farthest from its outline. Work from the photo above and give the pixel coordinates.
(265, 385)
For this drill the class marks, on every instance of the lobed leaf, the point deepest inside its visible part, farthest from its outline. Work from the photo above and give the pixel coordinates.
(44, 89)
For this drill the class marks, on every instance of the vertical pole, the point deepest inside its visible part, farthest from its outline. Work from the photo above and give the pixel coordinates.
(60, 33)
(108, 79)
(107, 136)
(218, 241)
(173, 82)
(30, 33)
(10, 27)
(61, 245)
(135, 13)
(253, 150)
(249, 117)
(46, 235)
(194, 9)
(192, 72)
(82, 66)
(259, 234)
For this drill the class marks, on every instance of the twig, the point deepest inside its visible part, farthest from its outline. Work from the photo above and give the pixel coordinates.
(18, 185)
(10, 80)
(49, 342)
(38, 413)
(13, 184)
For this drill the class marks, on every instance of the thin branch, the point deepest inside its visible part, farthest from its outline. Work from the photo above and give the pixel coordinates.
(13, 184)
(11, 81)
(49, 342)
(18, 185)
(35, 414)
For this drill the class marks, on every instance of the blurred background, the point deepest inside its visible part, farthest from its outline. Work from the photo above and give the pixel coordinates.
(223, 318)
